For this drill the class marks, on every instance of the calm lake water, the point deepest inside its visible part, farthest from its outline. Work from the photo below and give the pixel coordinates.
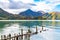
(12, 27)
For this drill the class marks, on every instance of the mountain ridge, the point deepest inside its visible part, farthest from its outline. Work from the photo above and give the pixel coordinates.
(28, 14)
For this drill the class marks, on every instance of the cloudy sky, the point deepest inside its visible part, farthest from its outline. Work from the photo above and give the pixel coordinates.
(16, 6)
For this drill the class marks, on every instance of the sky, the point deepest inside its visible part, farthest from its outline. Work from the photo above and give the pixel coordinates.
(14, 6)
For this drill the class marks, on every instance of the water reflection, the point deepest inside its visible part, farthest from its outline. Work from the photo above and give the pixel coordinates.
(30, 23)
(12, 27)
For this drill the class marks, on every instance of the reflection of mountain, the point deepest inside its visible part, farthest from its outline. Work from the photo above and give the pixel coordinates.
(31, 23)
(21, 23)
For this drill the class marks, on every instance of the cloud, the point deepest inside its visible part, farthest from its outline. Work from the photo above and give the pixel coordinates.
(54, 4)
(20, 5)
(25, 1)
(44, 5)
(36, 0)
(4, 3)
(15, 4)
(4, 0)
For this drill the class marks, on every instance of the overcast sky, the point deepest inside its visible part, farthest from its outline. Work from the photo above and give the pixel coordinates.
(36, 5)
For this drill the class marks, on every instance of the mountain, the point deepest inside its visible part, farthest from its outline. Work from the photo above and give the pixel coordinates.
(56, 15)
(4, 12)
(30, 13)
(41, 12)
(47, 14)
(5, 15)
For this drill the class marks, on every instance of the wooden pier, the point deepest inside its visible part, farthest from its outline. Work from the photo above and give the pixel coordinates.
(19, 36)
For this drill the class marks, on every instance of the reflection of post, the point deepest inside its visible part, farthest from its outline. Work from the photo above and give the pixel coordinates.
(36, 30)
(43, 24)
(42, 28)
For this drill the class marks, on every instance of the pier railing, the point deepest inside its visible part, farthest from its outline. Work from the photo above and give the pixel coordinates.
(19, 36)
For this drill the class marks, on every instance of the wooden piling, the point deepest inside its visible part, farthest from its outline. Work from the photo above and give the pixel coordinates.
(29, 36)
(14, 37)
(1, 37)
(9, 36)
(29, 31)
(21, 33)
(5, 37)
(17, 37)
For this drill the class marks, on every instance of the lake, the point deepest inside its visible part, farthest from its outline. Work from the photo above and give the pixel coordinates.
(53, 32)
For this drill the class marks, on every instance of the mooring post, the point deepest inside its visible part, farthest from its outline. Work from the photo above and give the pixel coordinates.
(5, 37)
(14, 36)
(9, 36)
(21, 33)
(1, 37)
(28, 36)
(17, 37)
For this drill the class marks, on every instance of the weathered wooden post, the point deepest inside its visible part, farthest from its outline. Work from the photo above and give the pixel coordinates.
(14, 37)
(21, 33)
(9, 36)
(28, 34)
(5, 37)
(29, 31)
(17, 37)
(1, 37)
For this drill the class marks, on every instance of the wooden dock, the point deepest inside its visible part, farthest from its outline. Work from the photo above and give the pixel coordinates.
(19, 36)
